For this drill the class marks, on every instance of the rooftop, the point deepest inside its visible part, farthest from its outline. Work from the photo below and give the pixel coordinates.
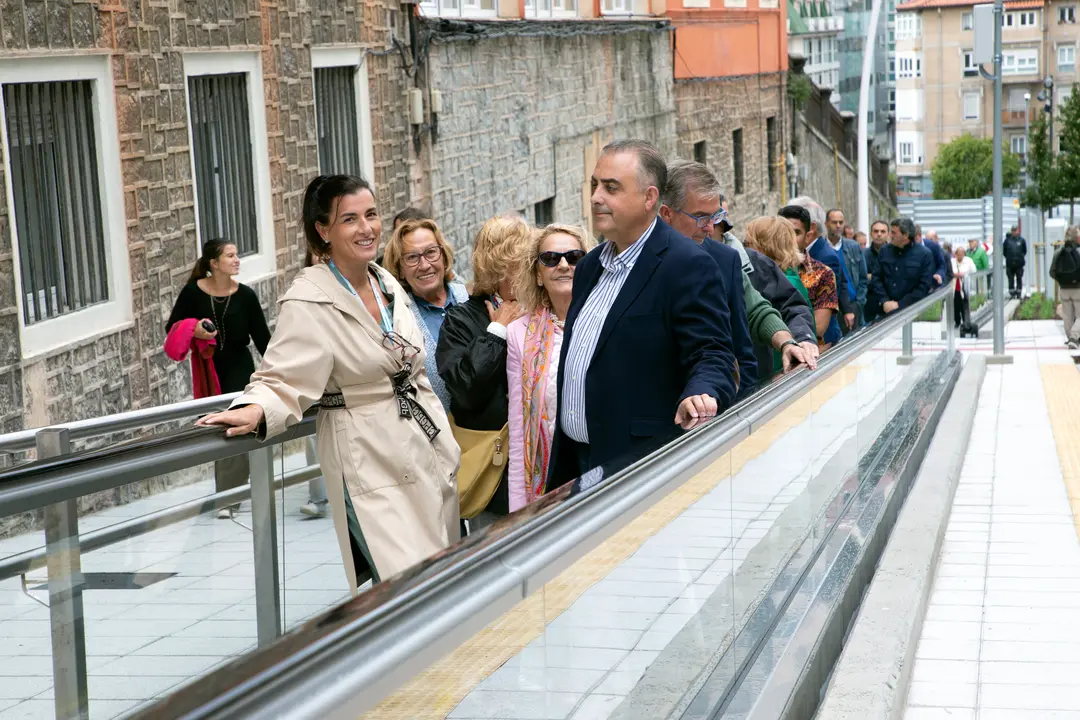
(928, 4)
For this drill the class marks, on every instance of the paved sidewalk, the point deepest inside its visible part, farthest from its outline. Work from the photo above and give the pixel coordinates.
(1001, 639)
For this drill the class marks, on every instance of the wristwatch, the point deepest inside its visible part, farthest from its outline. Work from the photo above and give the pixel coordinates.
(788, 342)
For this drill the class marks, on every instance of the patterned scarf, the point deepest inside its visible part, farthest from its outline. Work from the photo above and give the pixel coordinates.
(539, 338)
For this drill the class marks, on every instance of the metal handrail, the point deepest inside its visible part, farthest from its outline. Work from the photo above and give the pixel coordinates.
(373, 643)
(120, 422)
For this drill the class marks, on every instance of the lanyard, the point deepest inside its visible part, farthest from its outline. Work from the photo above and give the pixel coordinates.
(404, 390)
(386, 319)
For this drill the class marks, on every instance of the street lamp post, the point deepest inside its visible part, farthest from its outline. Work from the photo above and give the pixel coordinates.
(1027, 118)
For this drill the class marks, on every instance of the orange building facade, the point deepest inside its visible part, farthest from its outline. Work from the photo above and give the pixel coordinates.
(730, 64)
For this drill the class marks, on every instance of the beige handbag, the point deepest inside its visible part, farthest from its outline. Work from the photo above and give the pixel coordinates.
(483, 460)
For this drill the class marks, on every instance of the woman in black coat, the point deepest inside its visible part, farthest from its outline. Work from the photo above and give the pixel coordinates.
(213, 293)
(471, 354)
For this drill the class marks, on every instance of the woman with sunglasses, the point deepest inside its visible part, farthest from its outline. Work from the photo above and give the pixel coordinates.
(421, 259)
(544, 286)
(346, 338)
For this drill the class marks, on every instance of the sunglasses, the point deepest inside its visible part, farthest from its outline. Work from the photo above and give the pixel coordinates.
(703, 220)
(552, 259)
(394, 342)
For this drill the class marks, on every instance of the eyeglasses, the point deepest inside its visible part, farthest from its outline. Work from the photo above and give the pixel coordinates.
(431, 254)
(552, 259)
(702, 220)
(393, 341)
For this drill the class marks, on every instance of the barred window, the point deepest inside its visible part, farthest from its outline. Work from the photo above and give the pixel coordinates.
(335, 110)
(771, 141)
(737, 158)
(221, 144)
(54, 181)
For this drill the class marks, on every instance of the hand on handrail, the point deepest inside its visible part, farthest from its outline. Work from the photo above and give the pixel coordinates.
(241, 420)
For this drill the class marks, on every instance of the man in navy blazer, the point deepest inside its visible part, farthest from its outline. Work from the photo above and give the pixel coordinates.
(647, 345)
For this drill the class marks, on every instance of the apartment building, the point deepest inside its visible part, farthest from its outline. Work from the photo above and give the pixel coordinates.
(814, 31)
(852, 50)
(940, 93)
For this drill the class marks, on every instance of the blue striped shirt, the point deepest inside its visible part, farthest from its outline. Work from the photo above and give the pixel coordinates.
(586, 333)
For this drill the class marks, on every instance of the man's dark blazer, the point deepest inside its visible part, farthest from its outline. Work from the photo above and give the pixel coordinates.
(730, 265)
(667, 337)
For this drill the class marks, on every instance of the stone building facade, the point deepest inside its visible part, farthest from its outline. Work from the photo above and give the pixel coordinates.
(712, 114)
(142, 52)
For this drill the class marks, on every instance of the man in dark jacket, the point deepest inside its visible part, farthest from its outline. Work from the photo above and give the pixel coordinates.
(816, 246)
(647, 348)
(936, 253)
(1014, 249)
(854, 261)
(906, 270)
(879, 238)
(691, 205)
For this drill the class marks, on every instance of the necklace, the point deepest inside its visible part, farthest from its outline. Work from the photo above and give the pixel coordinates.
(559, 323)
(219, 321)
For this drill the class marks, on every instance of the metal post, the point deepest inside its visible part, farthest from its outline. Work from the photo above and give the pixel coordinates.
(65, 591)
(264, 540)
(864, 109)
(906, 354)
(998, 268)
(948, 313)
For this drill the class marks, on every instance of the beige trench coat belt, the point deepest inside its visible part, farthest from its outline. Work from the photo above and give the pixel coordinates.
(359, 395)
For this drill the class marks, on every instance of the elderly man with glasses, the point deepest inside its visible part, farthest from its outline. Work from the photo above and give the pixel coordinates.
(692, 206)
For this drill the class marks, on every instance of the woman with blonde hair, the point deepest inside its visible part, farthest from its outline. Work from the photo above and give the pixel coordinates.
(471, 356)
(421, 260)
(774, 237)
(545, 283)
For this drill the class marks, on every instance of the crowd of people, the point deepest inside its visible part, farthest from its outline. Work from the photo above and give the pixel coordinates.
(445, 405)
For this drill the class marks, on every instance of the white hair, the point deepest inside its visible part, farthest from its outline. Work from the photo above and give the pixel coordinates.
(817, 213)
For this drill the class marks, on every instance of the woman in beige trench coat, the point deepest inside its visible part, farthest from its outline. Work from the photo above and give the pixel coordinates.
(346, 335)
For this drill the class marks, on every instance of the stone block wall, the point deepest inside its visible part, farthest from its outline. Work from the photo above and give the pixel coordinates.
(709, 110)
(146, 39)
(826, 170)
(519, 114)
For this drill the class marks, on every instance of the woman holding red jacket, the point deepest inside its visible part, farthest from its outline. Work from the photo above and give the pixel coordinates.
(217, 316)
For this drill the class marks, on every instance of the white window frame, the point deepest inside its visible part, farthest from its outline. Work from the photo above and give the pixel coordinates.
(1066, 14)
(351, 57)
(263, 263)
(1014, 142)
(1066, 66)
(434, 8)
(967, 21)
(908, 26)
(559, 12)
(909, 66)
(1011, 64)
(909, 157)
(616, 7)
(965, 98)
(44, 336)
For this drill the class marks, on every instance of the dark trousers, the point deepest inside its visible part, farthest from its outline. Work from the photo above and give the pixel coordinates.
(961, 310)
(230, 473)
(1016, 279)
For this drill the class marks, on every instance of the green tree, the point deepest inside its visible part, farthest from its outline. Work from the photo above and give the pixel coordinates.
(1068, 157)
(964, 169)
(1044, 185)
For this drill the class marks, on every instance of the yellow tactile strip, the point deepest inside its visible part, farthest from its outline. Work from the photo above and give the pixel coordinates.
(1061, 386)
(433, 694)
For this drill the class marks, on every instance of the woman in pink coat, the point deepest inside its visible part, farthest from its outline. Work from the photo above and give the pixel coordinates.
(544, 286)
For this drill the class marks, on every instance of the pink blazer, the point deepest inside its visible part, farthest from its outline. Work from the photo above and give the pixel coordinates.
(515, 348)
